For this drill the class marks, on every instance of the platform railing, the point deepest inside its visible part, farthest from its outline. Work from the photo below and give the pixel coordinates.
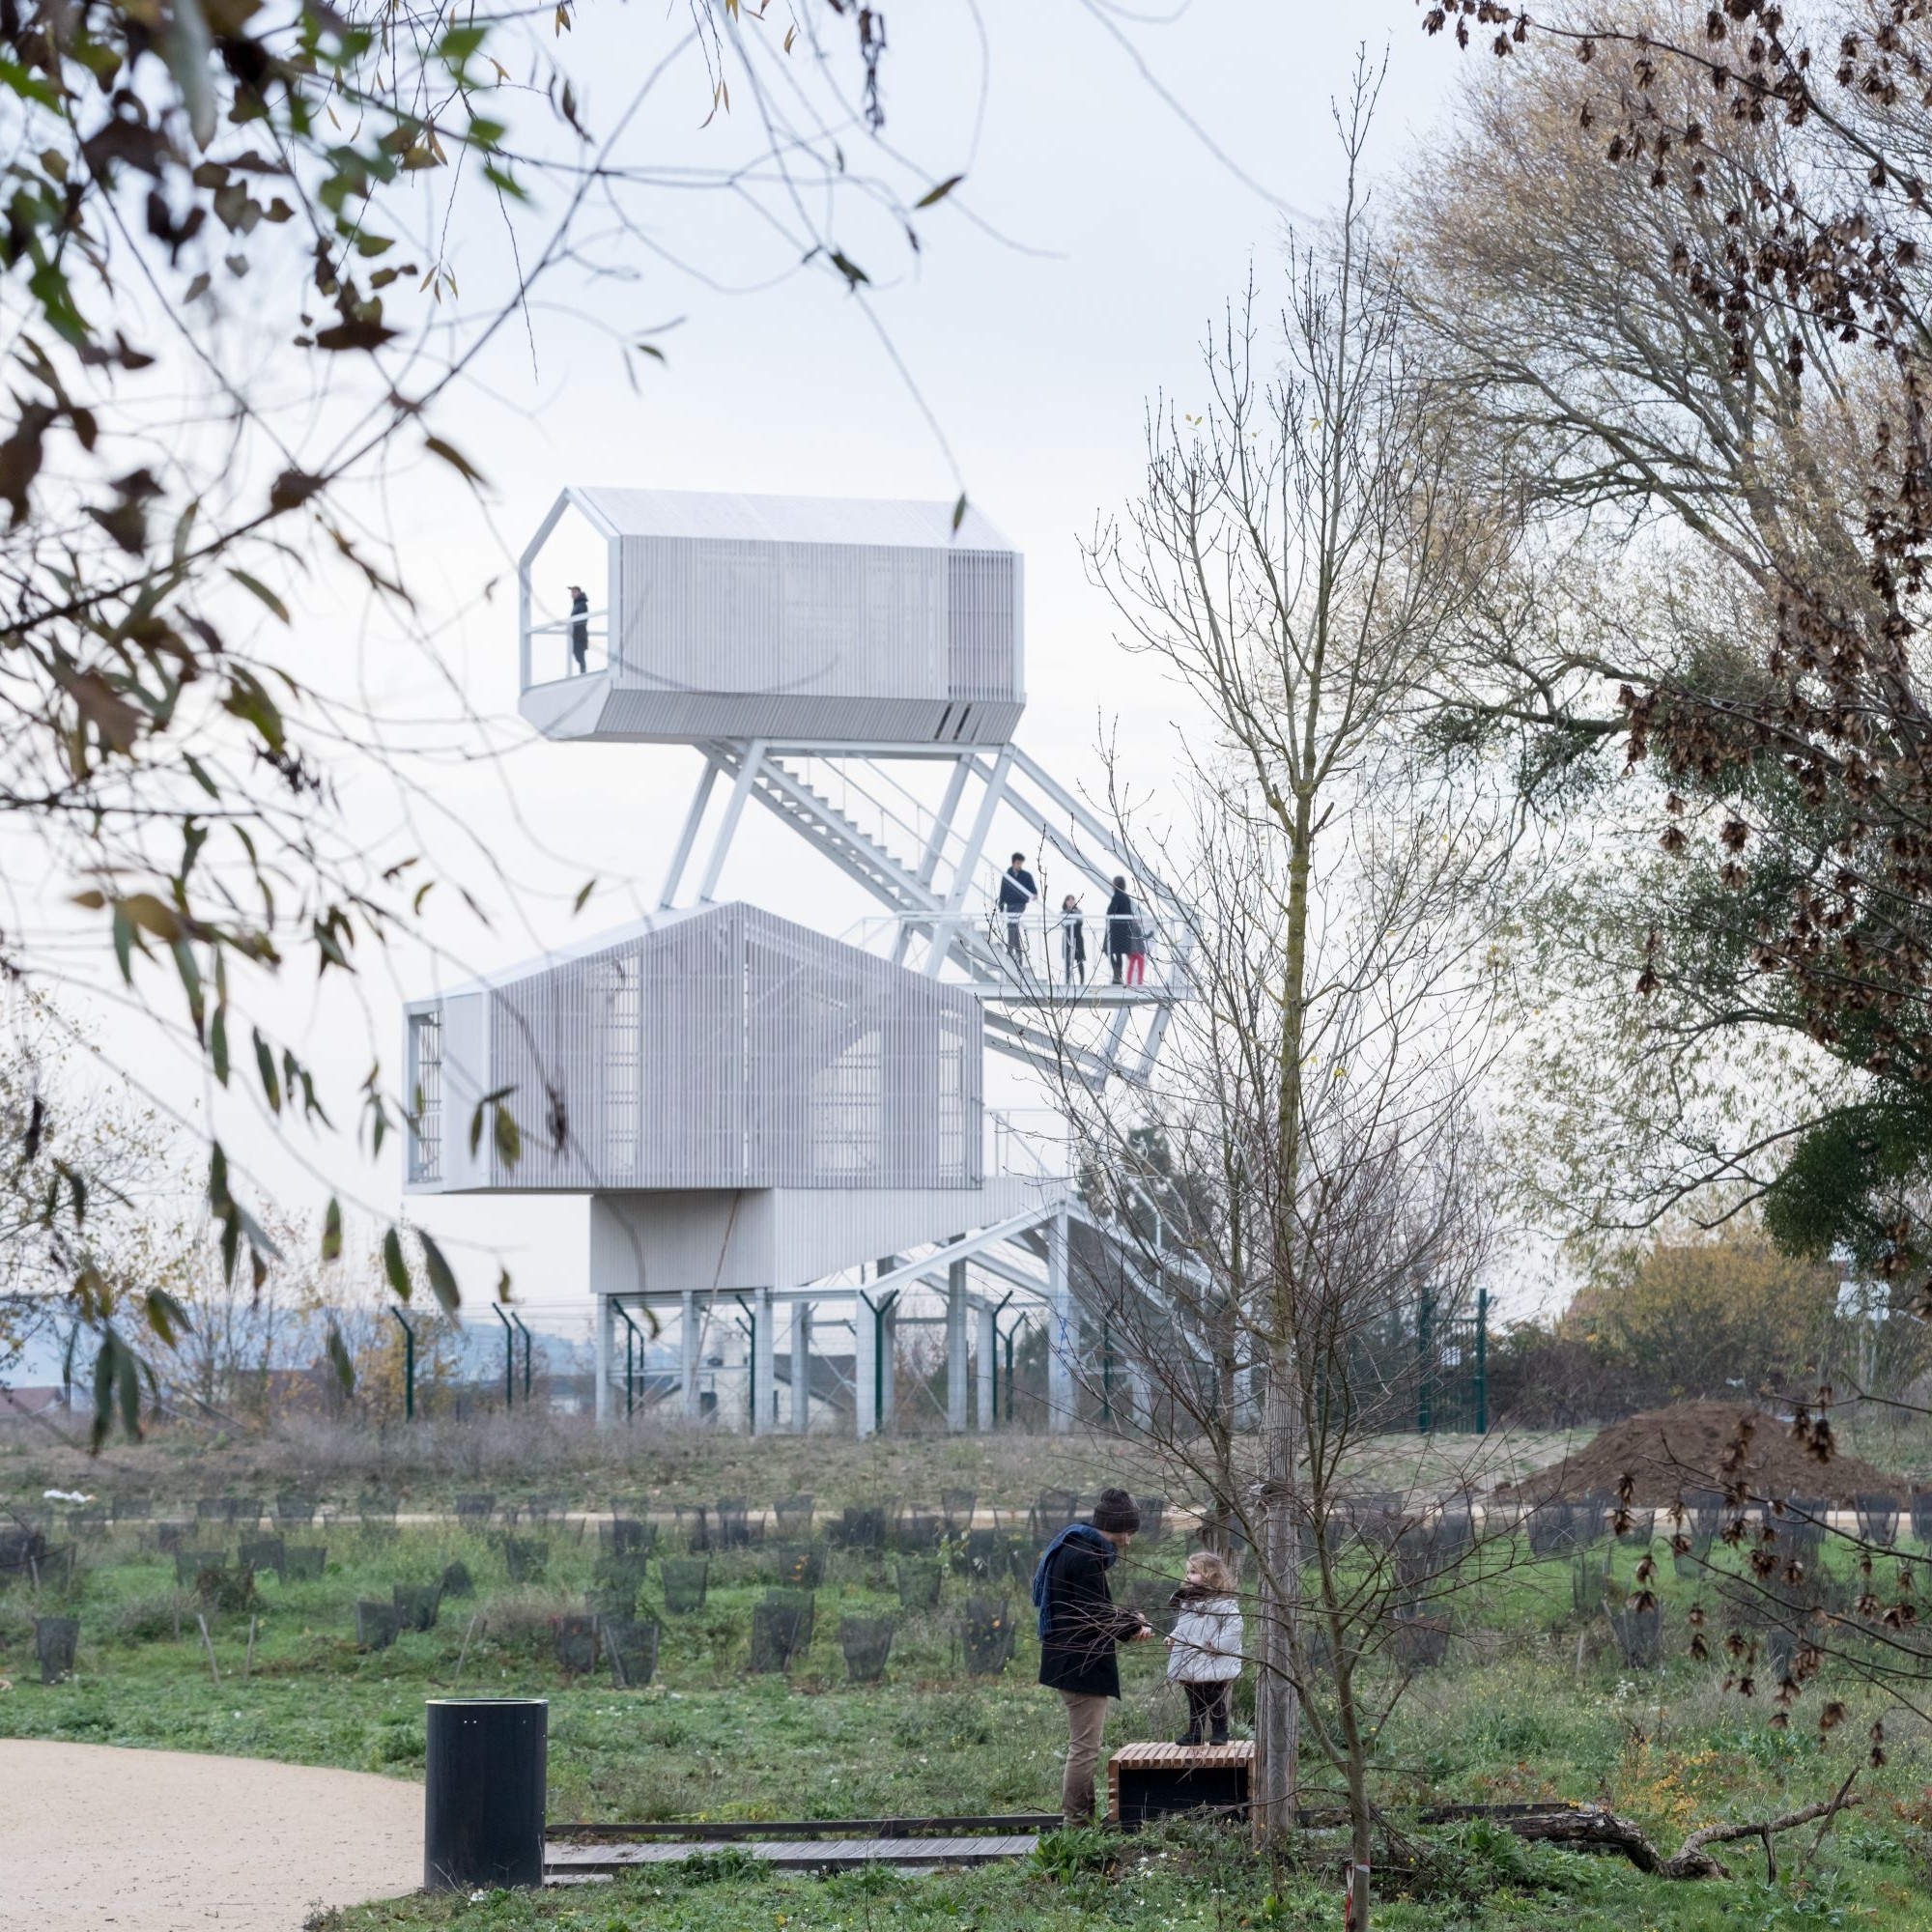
(551, 662)
(1040, 972)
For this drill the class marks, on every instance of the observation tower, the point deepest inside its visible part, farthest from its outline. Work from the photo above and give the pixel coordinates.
(771, 1120)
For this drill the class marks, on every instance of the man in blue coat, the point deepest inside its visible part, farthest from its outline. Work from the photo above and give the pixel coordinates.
(1017, 891)
(1079, 1626)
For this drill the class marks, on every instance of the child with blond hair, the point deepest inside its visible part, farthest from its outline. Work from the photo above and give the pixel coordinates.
(1205, 1652)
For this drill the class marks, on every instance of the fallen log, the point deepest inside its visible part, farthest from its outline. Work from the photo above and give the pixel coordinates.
(1591, 1827)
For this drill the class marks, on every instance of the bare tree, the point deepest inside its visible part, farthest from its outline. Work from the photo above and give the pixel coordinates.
(1676, 258)
(1297, 558)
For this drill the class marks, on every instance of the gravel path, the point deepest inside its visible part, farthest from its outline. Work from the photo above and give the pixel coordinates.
(93, 1837)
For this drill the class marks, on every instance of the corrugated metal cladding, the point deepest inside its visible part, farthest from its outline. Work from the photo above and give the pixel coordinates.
(824, 619)
(982, 625)
(733, 1049)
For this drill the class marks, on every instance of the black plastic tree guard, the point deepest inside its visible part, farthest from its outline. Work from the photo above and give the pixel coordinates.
(483, 1812)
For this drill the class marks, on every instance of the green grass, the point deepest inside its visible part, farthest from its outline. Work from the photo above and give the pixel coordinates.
(1182, 1877)
(1535, 1703)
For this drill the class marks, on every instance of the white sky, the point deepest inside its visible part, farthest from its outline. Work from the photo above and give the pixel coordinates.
(1036, 360)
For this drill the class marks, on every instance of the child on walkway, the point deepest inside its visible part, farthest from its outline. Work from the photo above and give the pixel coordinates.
(1205, 1652)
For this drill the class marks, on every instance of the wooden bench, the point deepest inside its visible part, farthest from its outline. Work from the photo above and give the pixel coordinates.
(1149, 1780)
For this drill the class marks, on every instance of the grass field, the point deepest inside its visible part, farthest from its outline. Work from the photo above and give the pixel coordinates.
(1535, 1701)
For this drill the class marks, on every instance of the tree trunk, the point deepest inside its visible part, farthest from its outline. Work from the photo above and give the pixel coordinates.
(1277, 1706)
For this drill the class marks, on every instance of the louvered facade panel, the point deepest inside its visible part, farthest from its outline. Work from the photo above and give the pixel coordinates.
(982, 644)
(693, 1053)
(722, 1049)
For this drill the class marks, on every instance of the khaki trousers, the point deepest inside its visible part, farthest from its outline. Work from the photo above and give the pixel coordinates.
(1086, 1718)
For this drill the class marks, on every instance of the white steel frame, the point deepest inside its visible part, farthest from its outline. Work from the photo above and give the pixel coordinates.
(932, 876)
(939, 931)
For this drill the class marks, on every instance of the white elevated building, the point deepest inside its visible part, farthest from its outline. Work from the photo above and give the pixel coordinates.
(765, 1117)
(796, 619)
(751, 1107)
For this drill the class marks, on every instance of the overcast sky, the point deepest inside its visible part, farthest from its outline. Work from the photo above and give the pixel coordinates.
(1068, 281)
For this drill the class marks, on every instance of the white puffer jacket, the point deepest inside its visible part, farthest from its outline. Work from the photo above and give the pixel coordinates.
(1206, 1641)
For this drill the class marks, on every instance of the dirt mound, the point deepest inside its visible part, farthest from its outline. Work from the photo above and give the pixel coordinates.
(1669, 1451)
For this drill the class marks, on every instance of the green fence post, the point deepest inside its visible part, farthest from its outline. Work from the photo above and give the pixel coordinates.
(525, 1334)
(634, 1350)
(1422, 1348)
(994, 1366)
(509, 1358)
(409, 1366)
(1482, 1361)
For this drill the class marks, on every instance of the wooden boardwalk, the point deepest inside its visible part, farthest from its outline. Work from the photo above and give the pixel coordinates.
(812, 1855)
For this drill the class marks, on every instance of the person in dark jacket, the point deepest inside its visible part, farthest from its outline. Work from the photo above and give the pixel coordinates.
(1017, 891)
(1079, 1626)
(1123, 927)
(579, 627)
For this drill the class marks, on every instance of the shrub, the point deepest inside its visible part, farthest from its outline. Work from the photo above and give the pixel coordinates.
(150, 1619)
(1074, 1850)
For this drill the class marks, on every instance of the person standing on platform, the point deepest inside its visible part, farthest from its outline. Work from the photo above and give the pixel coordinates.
(1121, 926)
(1079, 1626)
(1137, 946)
(1017, 891)
(1072, 941)
(580, 628)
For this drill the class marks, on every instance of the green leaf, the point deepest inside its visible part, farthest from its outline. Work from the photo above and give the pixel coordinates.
(127, 1384)
(394, 1265)
(583, 892)
(217, 1044)
(265, 1064)
(502, 1284)
(331, 1231)
(167, 1316)
(187, 47)
(442, 1279)
(338, 1355)
(455, 457)
(258, 589)
(189, 970)
(508, 1137)
(959, 513)
(939, 193)
(103, 1390)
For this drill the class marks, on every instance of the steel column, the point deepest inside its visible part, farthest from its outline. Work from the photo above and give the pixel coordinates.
(947, 923)
(605, 1345)
(734, 810)
(801, 1366)
(955, 1347)
(694, 819)
(1062, 1342)
(690, 1348)
(764, 1383)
